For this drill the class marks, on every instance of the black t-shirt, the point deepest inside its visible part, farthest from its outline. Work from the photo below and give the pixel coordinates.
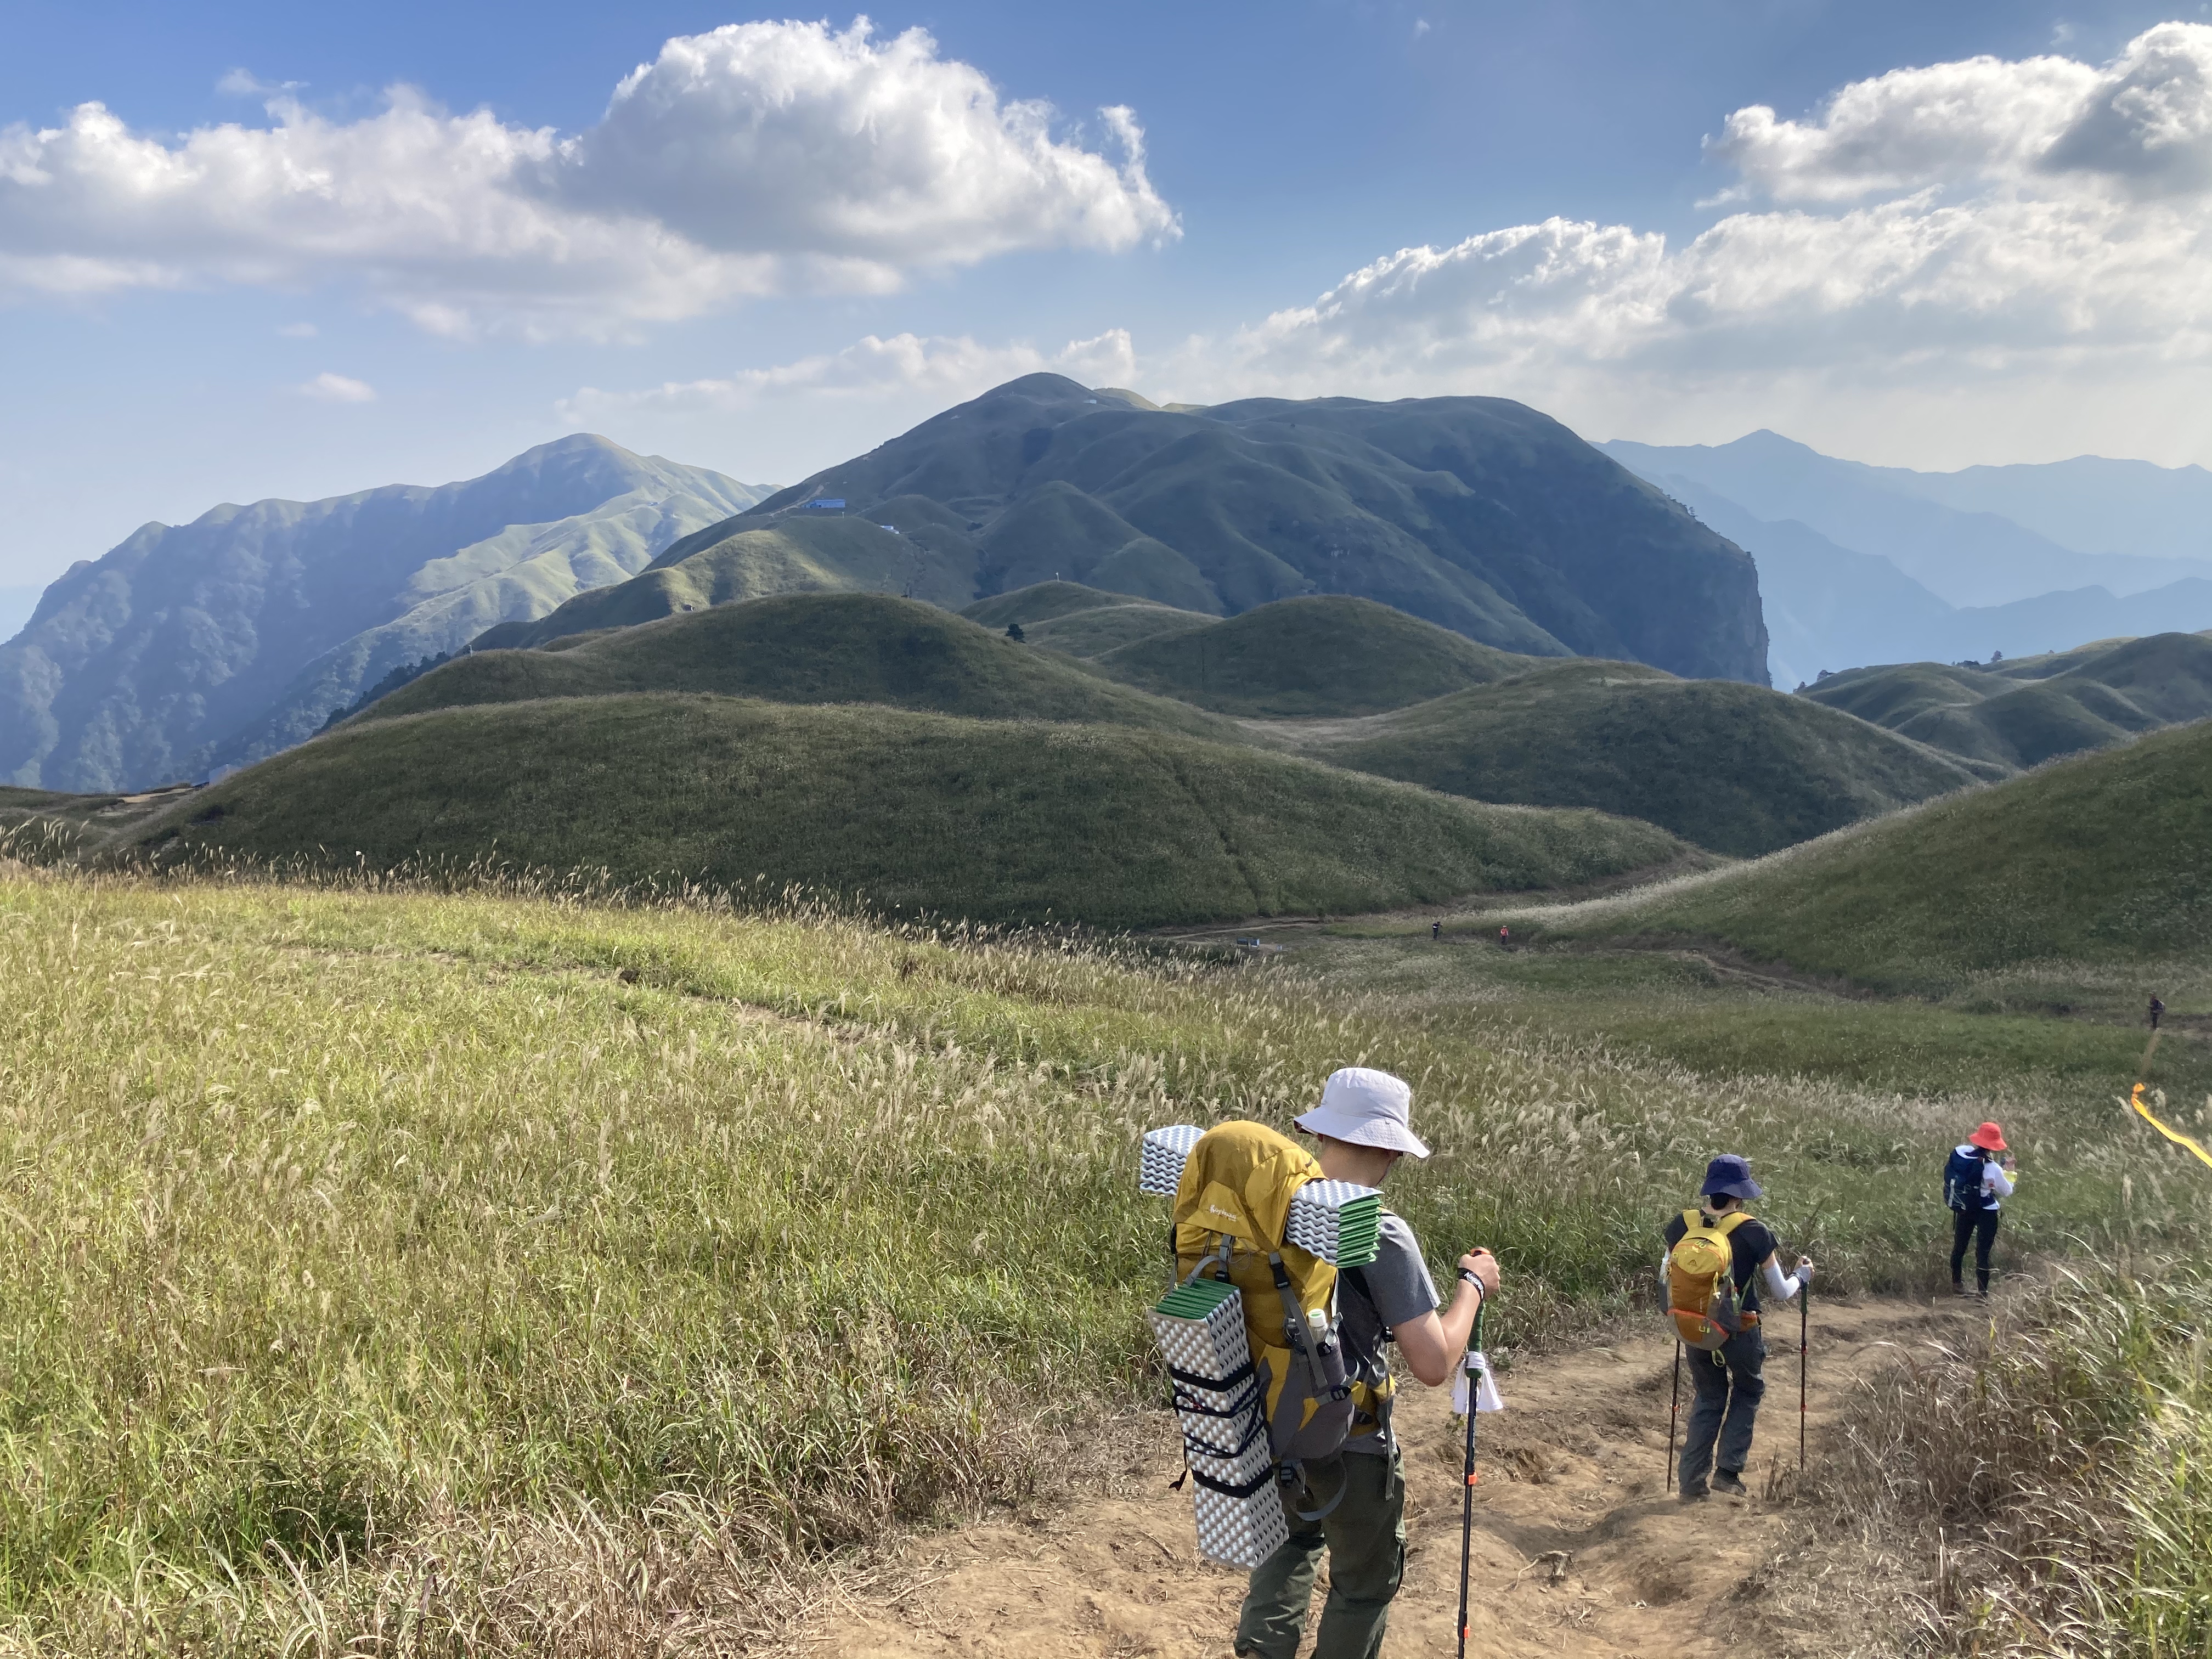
(1751, 1244)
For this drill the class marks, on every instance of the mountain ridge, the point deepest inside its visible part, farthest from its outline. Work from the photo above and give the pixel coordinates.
(184, 646)
(1478, 514)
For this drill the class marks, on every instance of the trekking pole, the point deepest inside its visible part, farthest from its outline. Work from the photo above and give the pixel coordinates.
(1467, 1493)
(1674, 1406)
(1804, 1349)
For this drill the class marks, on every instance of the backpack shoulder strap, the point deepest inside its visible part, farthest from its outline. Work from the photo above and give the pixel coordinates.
(1727, 1224)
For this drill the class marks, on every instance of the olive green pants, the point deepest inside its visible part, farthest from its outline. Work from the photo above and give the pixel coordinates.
(1365, 1538)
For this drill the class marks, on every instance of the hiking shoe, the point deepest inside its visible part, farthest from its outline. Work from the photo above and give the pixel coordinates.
(1960, 1289)
(1728, 1484)
(1694, 1494)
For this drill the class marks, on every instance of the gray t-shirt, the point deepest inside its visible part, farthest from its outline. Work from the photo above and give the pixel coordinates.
(1391, 1289)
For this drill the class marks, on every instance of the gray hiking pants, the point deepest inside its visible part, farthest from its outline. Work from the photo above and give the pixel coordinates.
(1728, 1385)
(1365, 1538)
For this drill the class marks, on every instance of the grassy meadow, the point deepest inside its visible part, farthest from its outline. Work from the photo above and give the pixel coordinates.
(810, 648)
(476, 1272)
(2054, 1472)
(2086, 883)
(1737, 768)
(914, 812)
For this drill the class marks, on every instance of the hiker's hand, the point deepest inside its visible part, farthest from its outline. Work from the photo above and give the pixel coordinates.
(1484, 1266)
(1804, 1270)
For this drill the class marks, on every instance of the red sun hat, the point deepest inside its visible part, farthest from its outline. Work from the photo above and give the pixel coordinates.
(1988, 1138)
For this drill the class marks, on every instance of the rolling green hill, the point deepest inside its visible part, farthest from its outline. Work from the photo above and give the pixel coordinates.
(1327, 655)
(1105, 825)
(2100, 858)
(43, 823)
(1082, 622)
(740, 560)
(809, 649)
(1736, 768)
(2008, 716)
(1476, 513)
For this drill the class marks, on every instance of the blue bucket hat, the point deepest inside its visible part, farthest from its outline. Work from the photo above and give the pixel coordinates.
(1730, 1176)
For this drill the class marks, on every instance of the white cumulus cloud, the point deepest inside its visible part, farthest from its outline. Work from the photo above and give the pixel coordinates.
(1941, 264)
(1985, 224)
(759, 158)
(330, 388)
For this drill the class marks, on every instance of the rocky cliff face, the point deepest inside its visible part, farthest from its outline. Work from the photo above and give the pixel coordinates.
(1474, 512)
(194, 647)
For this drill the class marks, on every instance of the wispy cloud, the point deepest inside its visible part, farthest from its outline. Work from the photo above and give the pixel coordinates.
(941, 368)
(330, 388)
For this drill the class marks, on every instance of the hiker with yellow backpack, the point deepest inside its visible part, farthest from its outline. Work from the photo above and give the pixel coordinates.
(1719, 1258)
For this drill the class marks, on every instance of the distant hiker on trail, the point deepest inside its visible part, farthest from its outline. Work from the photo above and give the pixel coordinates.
(1437, 930)
(1364, 1125)
(1974, 1183)
(2157, 1008)
(1506, 938)
(1713, 1300)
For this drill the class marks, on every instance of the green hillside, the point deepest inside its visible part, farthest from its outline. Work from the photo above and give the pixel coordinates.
(2100, 858)
(808, 648)
(1082, 622)
(42, 823)
(2008, 716)
(739, 560)
(1327, 655)
(1736, 768)
(1476, 514)
(1105, 825)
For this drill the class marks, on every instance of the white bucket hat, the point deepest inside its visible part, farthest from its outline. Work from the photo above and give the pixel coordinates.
(1366, 1108)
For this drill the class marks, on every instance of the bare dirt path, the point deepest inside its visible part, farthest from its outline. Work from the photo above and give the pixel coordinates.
(1579, 1548)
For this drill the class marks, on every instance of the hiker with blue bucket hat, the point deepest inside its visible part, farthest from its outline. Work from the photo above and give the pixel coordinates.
(1719, 1259)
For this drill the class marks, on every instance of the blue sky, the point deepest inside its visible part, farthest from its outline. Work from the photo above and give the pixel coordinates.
(1533, 193)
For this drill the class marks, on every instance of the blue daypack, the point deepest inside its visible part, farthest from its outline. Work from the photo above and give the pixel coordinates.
(1962, 1180)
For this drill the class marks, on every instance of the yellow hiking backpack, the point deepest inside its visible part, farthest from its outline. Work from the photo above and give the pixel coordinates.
(1701, 1295)
(1231, 1209)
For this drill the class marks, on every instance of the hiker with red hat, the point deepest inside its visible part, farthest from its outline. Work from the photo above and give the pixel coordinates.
(1977, 1177)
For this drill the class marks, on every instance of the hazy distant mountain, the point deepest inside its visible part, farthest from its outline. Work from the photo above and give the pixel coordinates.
(2061, 622)
(215, 643)
(2089, 504)
(1829, 608)
(1946, 530)
(1477, 513)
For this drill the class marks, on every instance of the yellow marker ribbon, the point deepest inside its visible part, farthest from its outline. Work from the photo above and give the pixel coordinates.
(2142, 1111)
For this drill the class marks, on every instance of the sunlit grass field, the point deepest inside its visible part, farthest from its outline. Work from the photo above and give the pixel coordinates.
(440, 1273)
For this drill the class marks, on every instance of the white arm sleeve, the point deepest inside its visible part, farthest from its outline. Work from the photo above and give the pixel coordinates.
(1779, 1288)
(1995, 1180)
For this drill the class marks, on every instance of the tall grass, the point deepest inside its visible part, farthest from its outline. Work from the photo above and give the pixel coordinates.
(2058, 1473)
(457, 1270)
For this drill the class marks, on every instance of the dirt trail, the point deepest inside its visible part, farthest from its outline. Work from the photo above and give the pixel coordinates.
(1579, 1548)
